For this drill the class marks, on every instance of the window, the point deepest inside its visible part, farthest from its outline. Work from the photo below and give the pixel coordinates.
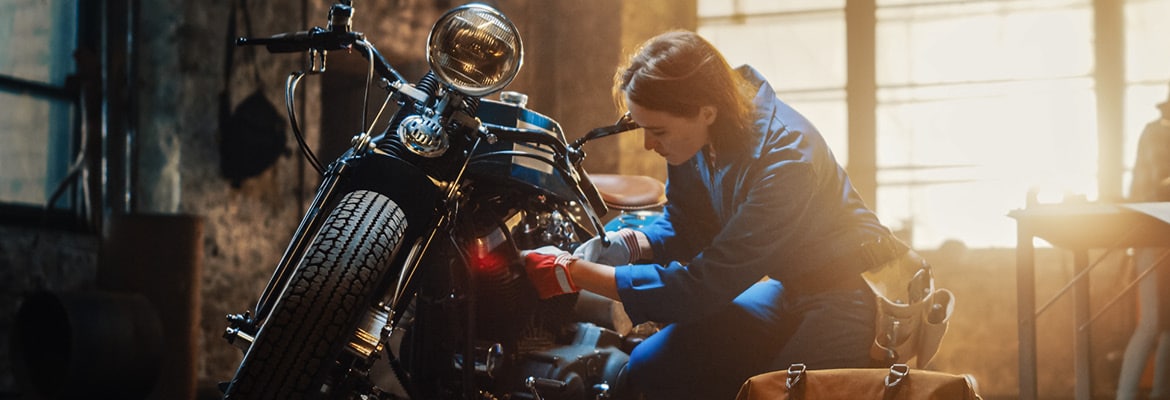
(812, 32)
(37, 39)
(979, 102)
(1147, 61)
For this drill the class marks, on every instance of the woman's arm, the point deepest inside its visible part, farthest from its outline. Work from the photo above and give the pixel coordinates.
(594, 277)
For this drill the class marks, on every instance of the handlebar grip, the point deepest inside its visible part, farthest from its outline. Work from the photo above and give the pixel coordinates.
(292, 42)
(282, 43)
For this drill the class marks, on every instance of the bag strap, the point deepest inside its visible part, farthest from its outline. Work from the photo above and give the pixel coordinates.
(898, 373)
(230, 44)
(251, 50)
(225, 96)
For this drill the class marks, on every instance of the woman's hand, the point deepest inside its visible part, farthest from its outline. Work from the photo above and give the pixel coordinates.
(623, 248)
(548, 269)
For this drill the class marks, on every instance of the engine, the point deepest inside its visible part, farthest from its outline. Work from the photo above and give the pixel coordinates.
(486, 326)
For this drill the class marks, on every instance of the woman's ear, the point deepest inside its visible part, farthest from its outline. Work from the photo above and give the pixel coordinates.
(708, 113)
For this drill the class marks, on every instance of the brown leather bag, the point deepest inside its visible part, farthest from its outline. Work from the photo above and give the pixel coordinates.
(896, 383)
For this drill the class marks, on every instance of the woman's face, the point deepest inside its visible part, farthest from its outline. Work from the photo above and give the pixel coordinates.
(675, 138)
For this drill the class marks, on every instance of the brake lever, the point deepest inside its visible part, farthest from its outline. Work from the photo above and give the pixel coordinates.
(623, 124)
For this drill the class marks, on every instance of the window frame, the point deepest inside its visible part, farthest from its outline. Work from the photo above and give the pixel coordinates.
(68, 212)
(1113, 131)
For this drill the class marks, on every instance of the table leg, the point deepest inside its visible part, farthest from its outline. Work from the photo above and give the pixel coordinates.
(1083, 350)
(1026, 311)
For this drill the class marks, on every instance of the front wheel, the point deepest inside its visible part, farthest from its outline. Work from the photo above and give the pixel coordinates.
(332, 287)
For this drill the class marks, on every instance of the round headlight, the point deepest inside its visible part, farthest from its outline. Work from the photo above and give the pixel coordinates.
(475, 49)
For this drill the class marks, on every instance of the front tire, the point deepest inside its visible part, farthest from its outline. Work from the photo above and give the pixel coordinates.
(331, 288)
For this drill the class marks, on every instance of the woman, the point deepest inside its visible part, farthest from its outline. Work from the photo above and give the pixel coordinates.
(756, 263)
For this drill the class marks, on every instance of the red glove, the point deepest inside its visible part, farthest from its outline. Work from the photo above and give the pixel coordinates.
(548, 269)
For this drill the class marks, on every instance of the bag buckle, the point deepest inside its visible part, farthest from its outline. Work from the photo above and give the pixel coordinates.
(898, 373)
(795, 375)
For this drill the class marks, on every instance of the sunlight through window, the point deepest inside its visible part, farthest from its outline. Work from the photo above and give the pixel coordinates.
(979, 102)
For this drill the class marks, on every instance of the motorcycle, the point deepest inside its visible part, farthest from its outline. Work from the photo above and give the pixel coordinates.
(404, 279)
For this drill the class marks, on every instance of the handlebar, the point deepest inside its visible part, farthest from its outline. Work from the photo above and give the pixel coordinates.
(566, 161)
(571, 151)
(319, 39)
(315, 38)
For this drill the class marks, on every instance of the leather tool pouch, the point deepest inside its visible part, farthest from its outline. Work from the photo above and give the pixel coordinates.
(912, 314)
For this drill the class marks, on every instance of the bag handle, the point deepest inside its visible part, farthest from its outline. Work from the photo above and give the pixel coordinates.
(899, 373)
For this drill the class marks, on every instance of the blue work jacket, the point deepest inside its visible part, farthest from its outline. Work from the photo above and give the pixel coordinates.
(782, 208)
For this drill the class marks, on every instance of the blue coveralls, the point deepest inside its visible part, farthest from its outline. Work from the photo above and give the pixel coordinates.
(782, 208)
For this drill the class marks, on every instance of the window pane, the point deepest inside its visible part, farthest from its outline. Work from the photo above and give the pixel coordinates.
(709, 8)
(721, 8)
(1140, 101)
(1003, 4)
(926, 214)
(893, 3)
(772, 6)
(814, 86)
(1147, 34)
(983, 41)
(33, 45)
(35, 153)
(37, 40)
(828, 112)
(980, 103)
(1147, 63)
(968, 154)
(772, 43)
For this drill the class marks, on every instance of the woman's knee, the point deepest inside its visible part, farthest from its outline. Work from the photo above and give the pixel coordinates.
(647, 360)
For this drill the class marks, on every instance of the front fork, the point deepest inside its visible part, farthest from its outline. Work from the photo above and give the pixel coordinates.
(243, 327)
(369, 337)
(373, 329)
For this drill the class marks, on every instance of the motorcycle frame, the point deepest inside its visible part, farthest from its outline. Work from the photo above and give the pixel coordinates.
(429, 211)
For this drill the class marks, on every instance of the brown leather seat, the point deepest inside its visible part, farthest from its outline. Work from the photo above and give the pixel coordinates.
(629, 192)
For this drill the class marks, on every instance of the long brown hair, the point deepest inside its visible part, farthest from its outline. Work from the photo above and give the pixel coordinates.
(678, 72)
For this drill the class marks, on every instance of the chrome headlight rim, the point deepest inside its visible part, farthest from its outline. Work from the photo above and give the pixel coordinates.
(439, 56)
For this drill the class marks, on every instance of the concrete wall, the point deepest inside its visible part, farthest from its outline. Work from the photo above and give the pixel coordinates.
(572, 50)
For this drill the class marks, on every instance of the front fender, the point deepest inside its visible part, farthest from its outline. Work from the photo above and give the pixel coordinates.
(401, 181)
